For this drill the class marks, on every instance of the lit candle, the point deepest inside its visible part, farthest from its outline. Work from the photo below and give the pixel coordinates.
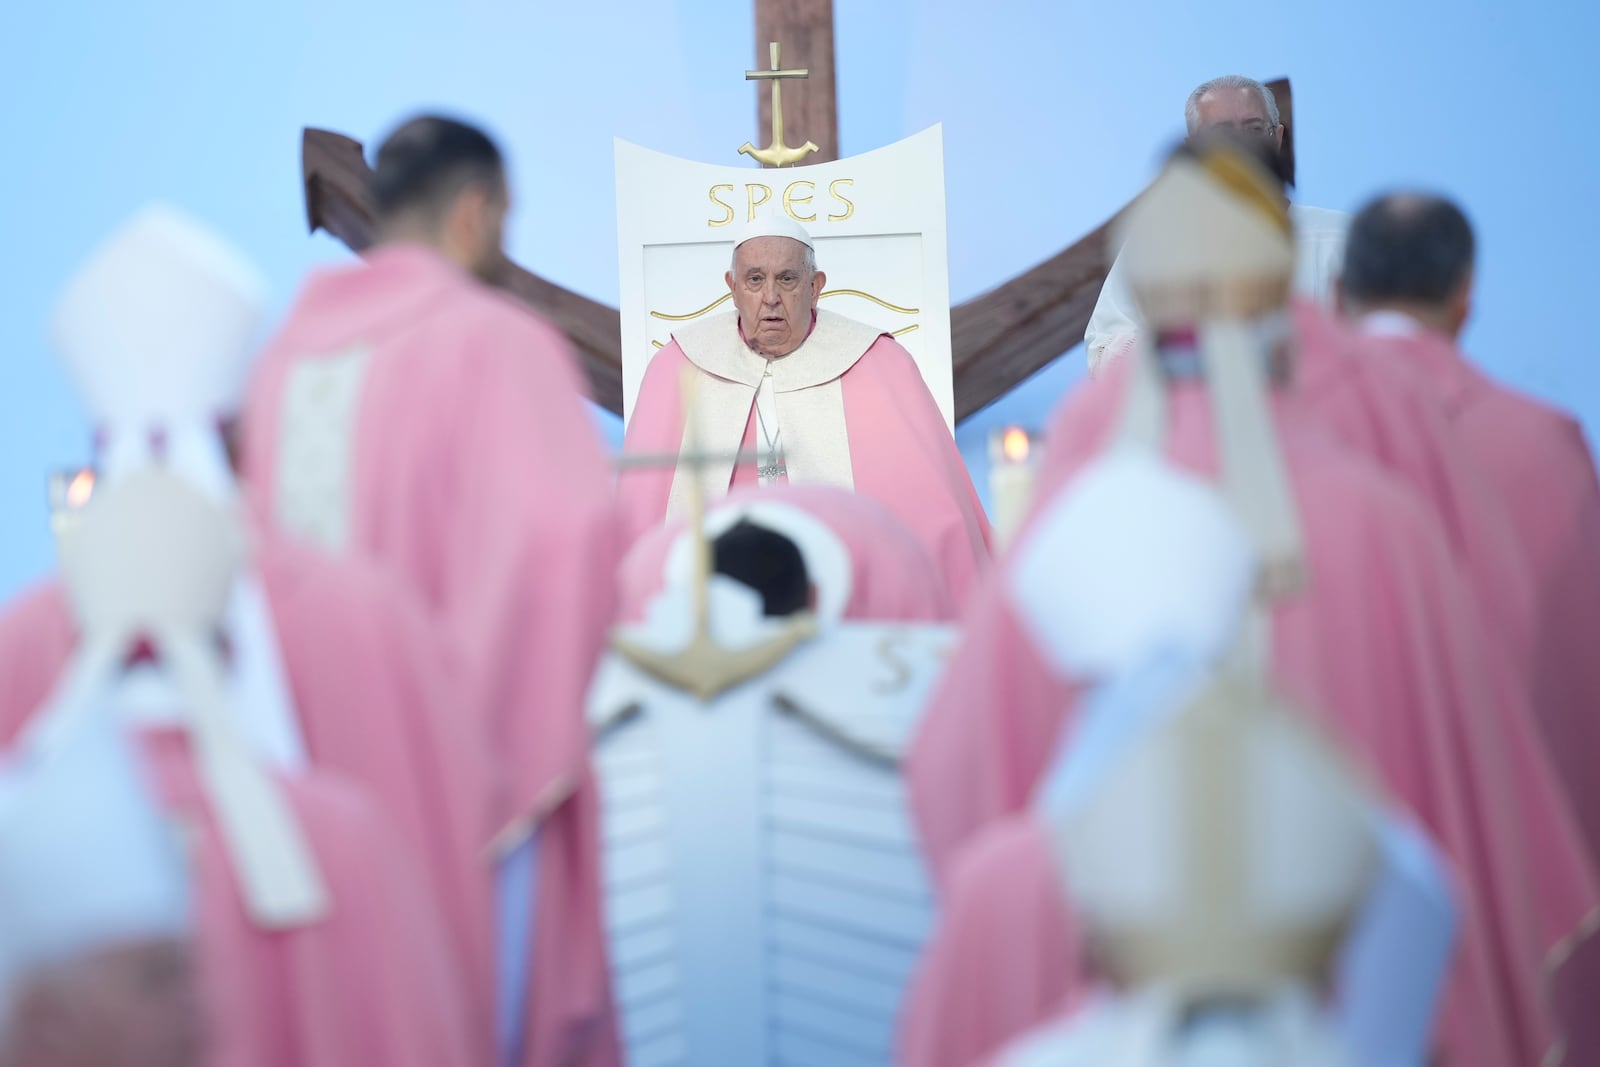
(1011, 471)
(69, 491)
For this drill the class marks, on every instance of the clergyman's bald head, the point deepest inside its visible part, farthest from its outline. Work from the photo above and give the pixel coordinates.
(1412, 248)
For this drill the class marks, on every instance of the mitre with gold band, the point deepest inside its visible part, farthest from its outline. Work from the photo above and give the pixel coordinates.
(1210, 259)
(1225, 853)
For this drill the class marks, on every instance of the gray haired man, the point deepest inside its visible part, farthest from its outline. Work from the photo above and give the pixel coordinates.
(1248, 107)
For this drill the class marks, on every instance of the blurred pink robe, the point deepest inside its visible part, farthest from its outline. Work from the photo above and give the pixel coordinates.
(1383, 413)
(382, 978)
(893, 579)
(1537, 461)
(479, 480)
(901, 455)
(1385, 648)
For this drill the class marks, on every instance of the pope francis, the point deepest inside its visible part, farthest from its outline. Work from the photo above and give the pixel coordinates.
(815, 397)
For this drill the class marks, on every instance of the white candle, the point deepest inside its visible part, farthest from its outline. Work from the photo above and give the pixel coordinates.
(1011, 473)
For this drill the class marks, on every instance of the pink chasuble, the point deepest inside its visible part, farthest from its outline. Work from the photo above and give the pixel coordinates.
(1382, 413)
(1385, 647)
(407, 414)
(893, 444)
(1543, 477)
(893, 579)
(378, 980)
(1007, 954)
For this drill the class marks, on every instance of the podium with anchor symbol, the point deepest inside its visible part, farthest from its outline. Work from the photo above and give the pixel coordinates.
(878, 221)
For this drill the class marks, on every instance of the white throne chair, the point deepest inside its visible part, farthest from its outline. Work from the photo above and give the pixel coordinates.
(766, 899)
(878, 221)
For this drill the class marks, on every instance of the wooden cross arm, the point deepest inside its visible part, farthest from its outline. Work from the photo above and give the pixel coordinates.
(998, 339)
(338, 190)
(1002, 337)
(1285, 96)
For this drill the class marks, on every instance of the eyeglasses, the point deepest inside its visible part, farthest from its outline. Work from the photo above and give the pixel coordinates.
(1255, 127)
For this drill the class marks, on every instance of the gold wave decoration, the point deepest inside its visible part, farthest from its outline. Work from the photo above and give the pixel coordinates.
(893, 333)
(725, 297)
(718, 302)
(868, 296)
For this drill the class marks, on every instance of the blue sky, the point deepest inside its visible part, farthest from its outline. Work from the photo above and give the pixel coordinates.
(1054, 112)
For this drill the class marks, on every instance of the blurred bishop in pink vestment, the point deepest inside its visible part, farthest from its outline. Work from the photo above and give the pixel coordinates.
(1369, 627)
(1385, 414)
(818, 398)
(1408, 284)
(337, 905)
(409, 414)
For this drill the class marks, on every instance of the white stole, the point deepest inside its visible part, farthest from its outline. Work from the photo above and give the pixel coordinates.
(807, 397)
(315, 477)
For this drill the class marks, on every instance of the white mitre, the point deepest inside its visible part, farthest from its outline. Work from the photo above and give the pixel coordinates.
(1209, 248)
(772, 224)
(1207, 241)
(87, 860)
(156, 330)
(1224, 852)
(1133, 557)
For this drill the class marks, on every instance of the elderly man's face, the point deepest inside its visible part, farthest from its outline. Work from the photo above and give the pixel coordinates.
(775, 293)
(1241, 109)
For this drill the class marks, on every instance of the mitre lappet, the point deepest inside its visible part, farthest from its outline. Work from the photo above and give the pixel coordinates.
(155, 330)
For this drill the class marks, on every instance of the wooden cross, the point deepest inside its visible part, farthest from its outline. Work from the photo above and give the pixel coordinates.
(997, 339)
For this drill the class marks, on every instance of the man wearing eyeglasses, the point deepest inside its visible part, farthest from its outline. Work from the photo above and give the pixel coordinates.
(1245, 105)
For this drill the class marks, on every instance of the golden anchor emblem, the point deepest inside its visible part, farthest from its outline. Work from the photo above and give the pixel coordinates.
(777, 154)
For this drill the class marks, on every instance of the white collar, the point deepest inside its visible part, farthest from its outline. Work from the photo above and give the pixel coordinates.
(1391, 324)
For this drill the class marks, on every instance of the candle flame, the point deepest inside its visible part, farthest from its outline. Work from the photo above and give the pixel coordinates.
(1015, 444)
(80, 488)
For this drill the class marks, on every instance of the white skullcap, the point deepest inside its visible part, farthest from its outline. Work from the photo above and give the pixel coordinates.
(776, 224)
(827, 558)
(87, 859)
(1132, 557)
